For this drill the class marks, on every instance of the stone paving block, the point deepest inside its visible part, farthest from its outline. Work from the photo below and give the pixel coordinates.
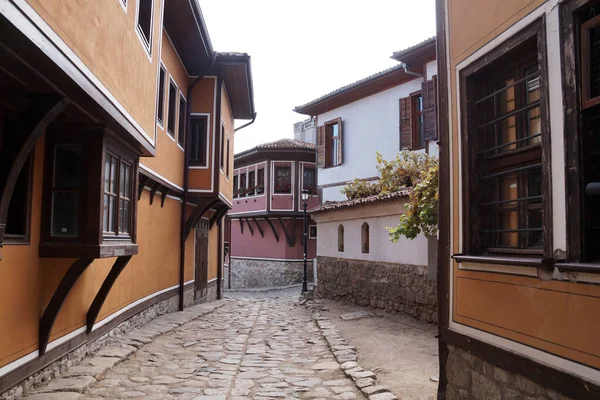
(74, 384)
(56, 396)
(383, 396)
(356, 315)
(121, 352)
(369, 390)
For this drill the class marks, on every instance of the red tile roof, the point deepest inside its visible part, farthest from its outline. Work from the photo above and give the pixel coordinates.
(334, 205)
(287, 144)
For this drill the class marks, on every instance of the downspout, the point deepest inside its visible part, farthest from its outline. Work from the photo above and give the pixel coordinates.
(406, 71)
(186, 171)
(246, 125)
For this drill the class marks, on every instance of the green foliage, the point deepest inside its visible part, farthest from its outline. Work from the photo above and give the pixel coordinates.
(409, 169)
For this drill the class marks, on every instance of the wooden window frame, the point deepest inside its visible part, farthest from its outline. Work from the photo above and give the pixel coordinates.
(416, 116)
(314, 171)
(182, 123)
(121, 161)
(222, 155)
(235, 185)
(330, 142)
(15, 239)
(204, 150)
(146, 41)
(312, 235)
(172, 113)
(282, 167)
(578, 112)
(587, 100)
(160, 98)
(260, 173)
(535, 32)
(90, 242)
(227, 159)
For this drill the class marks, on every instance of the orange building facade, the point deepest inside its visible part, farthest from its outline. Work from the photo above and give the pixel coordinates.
(116, 161)
(519, 176)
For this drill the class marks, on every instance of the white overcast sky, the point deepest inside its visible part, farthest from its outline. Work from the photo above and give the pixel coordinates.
(306, 48)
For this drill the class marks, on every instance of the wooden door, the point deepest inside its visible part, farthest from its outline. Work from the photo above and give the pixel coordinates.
(201, 258)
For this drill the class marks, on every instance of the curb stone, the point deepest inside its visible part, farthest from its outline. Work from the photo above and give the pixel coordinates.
(345, 354)
(93, 368)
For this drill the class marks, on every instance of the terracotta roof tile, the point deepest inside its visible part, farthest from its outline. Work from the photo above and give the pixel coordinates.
(287, 144)
(398, 54)
(334, 205)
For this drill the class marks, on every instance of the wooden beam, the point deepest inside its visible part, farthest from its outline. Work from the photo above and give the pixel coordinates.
(272, 228)
(262, 234)
(218, 215)
(142, 184)
(108, 283)
(289, 237)
(202, 207)
(153, 191)
(58, 298)
(163, 196)
(250, 227)
(241, 226)
(18, 142)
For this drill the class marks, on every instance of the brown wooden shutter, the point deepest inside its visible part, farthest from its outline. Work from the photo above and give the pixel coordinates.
(340, 141)
(405, 124)
(429, 109)
(321, 146)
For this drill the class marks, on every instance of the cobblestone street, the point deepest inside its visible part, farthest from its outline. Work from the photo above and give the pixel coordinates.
(254, 346)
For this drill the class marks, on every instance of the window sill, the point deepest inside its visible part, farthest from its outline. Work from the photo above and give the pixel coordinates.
(578, 267)
(62, 250)
(501, 260)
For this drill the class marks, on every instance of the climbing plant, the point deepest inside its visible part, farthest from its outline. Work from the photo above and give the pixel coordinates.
(417, 171)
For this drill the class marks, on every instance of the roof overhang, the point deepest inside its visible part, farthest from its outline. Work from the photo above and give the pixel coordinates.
(418, 54)
(184, 23)
(367, 87)
(236, 72)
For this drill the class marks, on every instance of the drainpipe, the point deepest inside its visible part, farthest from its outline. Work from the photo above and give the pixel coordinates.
(186, 170)
(406, 71)
(246, 125)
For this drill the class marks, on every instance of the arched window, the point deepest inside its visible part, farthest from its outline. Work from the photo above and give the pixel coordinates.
(341, 238)
(364, 237)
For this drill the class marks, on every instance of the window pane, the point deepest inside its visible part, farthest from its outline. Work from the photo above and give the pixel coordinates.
(594, 57)
(67, 166)
(283, 181)
(105, 214)
(65, 213)
(107, 164)
(145, 19)
(121, 211)
(182, 114)
(112, 205)
(309, 181)
(260, 185)
(334, 151)
(509, 220)
(172, 108)
(113, 175)
(198, 141)
(161, 95)
(534, 118)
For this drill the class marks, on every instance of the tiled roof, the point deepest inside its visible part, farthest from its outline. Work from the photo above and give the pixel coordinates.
(334, 205)
(287, 144)
(232, 54)
(398, 54)
(350, 86)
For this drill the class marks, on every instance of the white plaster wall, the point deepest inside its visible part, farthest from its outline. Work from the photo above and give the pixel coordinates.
(333, 194)
(369, 125)
(431, 69)
(405, 251)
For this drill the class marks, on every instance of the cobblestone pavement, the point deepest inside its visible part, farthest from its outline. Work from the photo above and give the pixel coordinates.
(257, 346)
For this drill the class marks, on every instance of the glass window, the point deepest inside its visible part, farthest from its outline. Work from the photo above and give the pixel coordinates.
(182, 114)
(242, 185)
(227, 159)
(172, 117)
(418, 132)
(312, 232)
(222, 146)
(260, 184)
(198, 142)
(65, 190)
(283, 180)
(309, 180)
(251, 183)
(118, 185)
(145, 21)
(235, 186)
(332, 145)
(160, 115)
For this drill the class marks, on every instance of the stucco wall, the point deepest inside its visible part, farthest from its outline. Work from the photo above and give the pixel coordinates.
(405, 251)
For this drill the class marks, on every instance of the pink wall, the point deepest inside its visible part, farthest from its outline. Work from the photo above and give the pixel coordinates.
(247, 245)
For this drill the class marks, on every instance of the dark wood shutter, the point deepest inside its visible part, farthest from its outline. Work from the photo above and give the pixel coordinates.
(321, 146)
(429, 109)
(340, 141)
(405, 124)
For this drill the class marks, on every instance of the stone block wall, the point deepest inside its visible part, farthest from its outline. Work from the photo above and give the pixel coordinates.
(392, 287)
(470, 377)
(266, 273)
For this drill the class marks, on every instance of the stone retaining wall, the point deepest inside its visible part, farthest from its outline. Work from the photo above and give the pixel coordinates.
(266, 273)
(76, 356)
(470, 377)
(393, 287)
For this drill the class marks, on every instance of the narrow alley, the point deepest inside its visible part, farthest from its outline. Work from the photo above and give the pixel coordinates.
(253, 346)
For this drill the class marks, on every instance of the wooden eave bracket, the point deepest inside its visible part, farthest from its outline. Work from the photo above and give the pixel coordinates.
(289, 237)
(262, 234)
(241, 226)
(250, 227)
(153, 191)
(163, 196)
(115, 271)
(141, 185)
(58, 298)
(17, 146)
(202, 207)
(218, 215)
(272, 228)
